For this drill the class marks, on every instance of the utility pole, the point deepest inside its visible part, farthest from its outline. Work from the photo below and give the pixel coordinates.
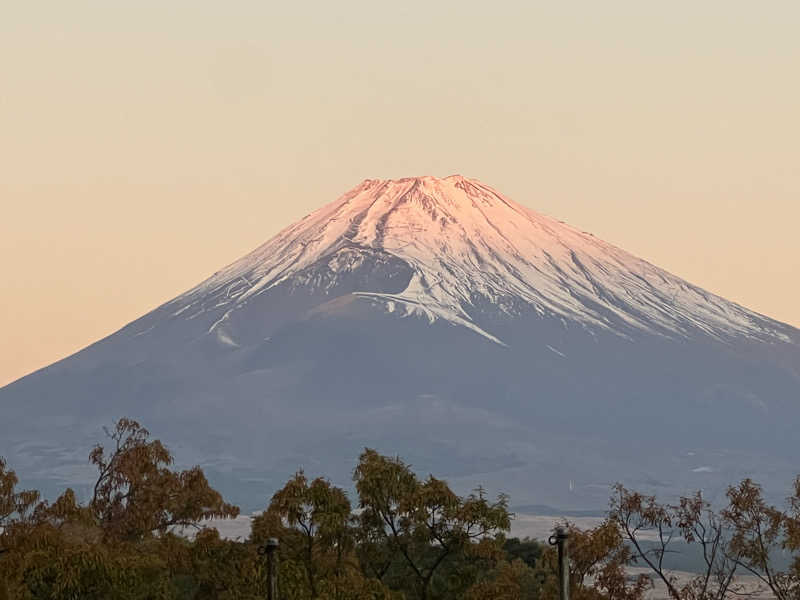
(560, 539)
(270, 549)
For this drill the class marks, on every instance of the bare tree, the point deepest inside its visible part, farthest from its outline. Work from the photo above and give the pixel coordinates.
(691, 520)
(759, 532)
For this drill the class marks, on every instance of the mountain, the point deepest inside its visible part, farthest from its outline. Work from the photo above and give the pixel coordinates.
(438, 320)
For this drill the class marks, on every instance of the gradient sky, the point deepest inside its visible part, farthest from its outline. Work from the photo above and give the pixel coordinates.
(143, 145)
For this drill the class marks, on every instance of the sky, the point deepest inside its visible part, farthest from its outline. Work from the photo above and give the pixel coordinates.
(144, 145)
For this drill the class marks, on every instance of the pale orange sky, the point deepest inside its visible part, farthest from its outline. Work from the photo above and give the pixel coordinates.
(143, 145)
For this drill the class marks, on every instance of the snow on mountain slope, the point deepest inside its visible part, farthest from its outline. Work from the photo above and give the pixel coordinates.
(467, 244)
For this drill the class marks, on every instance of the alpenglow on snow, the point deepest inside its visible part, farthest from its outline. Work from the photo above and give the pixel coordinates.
(461, 239)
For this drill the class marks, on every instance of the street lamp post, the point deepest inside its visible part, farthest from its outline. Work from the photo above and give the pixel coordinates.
(269, 549)
(560, 539)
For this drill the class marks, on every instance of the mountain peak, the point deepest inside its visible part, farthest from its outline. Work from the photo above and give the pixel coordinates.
(451, 190)
(420, 179)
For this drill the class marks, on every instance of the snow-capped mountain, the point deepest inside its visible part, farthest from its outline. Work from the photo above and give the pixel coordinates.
(435, 319)
(465, 244)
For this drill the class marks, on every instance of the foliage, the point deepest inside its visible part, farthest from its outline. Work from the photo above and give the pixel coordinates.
(525, 549)
(409, 538)
(136, 494)
(745, 536)
(513, 580)
(14, 505)
(424, 523)
(118, 545)
(761, 530)
(316, 527)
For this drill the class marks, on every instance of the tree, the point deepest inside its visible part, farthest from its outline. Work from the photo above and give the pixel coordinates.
(220, 569)
(15, 509)
(526, 549)
(759, 531)
(423, 522)
(118, 545)
(513, 580)
(15, 506)
(696, 523)
(136, 494)
(791, 524)
(313, 521)
(699, 524)
(59, 553)
(315, 525)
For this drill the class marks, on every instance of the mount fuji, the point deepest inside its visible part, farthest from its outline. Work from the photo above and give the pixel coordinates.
(441, 321)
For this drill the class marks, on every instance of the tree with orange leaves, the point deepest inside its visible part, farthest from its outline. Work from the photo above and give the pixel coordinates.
(136, 493)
